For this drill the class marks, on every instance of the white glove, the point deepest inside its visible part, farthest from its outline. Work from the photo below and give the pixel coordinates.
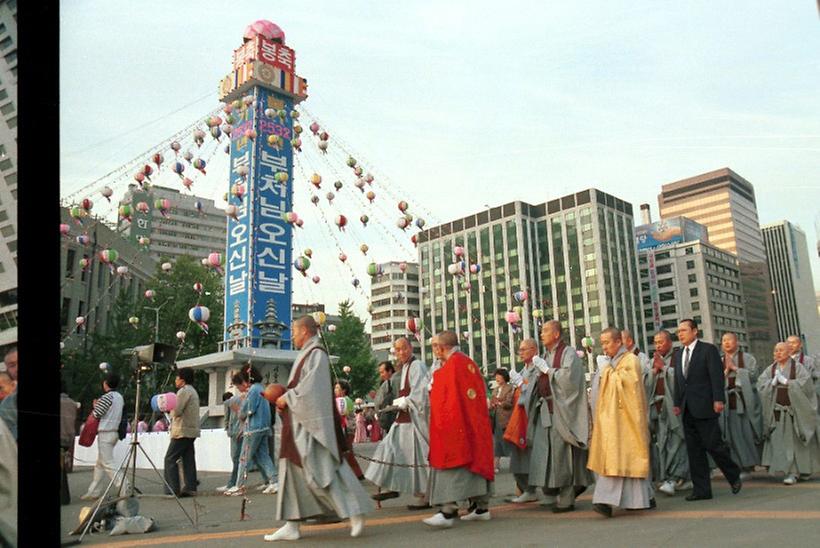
(782, 378)
(775, 379)
(401, 403)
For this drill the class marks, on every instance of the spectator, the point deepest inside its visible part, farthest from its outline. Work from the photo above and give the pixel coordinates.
(8, 488)
(344, 404)
(255, 412)
(68, 418)
(8, 406)
(233, 426)
(385, 396)
(108, 410)
(501, 406)
(160, 425)
(7, 385)
(184, 431)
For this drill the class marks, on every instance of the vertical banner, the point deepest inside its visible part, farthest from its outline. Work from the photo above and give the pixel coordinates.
(140, 221)
(653, 291)
(272, 235)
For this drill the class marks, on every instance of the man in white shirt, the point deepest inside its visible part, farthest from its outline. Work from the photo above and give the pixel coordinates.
(108, 409)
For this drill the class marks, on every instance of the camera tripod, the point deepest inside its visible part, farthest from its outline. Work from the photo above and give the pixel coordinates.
(130, 460)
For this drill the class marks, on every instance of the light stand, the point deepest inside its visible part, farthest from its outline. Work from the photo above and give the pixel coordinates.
(131, 457)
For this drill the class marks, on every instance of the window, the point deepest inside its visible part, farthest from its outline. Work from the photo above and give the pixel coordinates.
(693, 278)
(6, 43)
(11, 57)
(690, 265)
(7, 230)
(6, 164)
(7, 108)
(12, 122)
(689, 251)
(695, 306)
(3, 95)
(693, 292)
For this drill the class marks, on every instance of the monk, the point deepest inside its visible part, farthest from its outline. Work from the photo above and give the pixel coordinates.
(314, 478)
(789, 417)
(461, 441)
(619, 449)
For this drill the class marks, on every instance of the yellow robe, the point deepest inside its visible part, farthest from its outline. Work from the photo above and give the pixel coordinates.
(620, 430)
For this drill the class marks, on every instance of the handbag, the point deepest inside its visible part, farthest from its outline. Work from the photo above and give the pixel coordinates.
(516, 431)
(89, 430)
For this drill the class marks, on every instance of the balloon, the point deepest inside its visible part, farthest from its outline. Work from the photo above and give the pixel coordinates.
(139, 177)
(158, 159)
(323, 146)
(143, 207)
(301, 264)
(351, 161)
(175, 146)
(270, 113)
(294, 114)
(274, 141)
(147, 171)
(199, 164)
(297, 129)
(537, 313)
(144, 240)
(319, 317)
(188, 155)
(346, 369)
(186, 182)
(466, 286)
(374, 269)
(355, 282)
(369, 178)
(273, 392)
(166, 267)
(149, 294)
(107, 193)
(64, 229)
(199, 206)
(281, 177)
(178, 168)
(341, 221)
(122, 270)
(588, 342)
(331, 328)
(323, 136)
(316, 180)
(238, 190)
(402, 223)
(314, 128)
(232, 211)
(199, 137)
(166, 402)
(315, 200)
(403, 206)
(338, 185)
(520, 296)
(108, 256)
(579, 353)
(308, 252)
(364, 248)
(359, 184)
(415, 240)
(296, 143)
(87, 204)
(364, 219)
(78, 213)
(250, 134)
(85, 262)
(412, 325)
(512, 317)
(316, 279)
(200, 315)
(518, 310)
(105, 366)
(216, 133)
(371, 196)
(475, 268)
(420, 223)
(133, 320)
(79, 321)
(342, 257)
(197, 287)
(458, 251)
(181, 335)
(358, 171)
(227, 128)
(330, 197)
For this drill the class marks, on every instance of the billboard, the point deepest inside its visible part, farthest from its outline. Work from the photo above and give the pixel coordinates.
(140, 220)
(669, 232)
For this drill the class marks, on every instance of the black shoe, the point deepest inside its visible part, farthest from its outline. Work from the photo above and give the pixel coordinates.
(697, 497)
(418, 506)
(562, 509)
(736, 487)
(185, 494)
(652, 503)
(384, 496)
(580, 489)
(603, 509)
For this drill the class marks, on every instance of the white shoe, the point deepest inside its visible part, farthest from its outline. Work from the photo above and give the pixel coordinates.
(475, 516)
(667, 488)
(356, 525)
(234, 491)
(790, 480)
(685, 485)
(526, 496)
(222, 489)
(271, 489)
(438, 520)
(289, 531)
(549, 500)
(262, 487)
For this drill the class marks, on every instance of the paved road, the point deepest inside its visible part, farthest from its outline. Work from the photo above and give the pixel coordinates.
(765, 513)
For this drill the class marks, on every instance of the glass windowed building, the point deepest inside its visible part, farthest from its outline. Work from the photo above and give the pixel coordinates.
(575, 257)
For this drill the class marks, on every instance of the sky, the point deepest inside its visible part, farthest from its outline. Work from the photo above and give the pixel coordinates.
(463, 104)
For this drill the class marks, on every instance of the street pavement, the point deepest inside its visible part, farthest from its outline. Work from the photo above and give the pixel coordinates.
(764, 513)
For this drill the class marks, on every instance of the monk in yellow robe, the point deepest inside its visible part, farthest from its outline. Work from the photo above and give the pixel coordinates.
(619, 449)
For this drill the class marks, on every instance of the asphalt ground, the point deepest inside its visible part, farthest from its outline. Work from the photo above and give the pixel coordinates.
(764, 513)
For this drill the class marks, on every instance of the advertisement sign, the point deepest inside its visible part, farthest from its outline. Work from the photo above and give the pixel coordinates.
(668, 232)
(140, 221)
(270, 53)
(253, 72)
(653, 291)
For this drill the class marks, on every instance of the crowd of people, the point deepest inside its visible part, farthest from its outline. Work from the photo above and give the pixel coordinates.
(8, 449)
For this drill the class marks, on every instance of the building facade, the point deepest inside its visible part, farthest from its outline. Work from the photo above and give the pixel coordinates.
(574, 257)
(192, 226)
(691, 279)
(394, 298)
(92, 291)
(725, 203)
(8, 176)
(792, 283)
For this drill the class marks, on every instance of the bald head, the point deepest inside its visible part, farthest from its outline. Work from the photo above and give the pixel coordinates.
(795, 344)
(436, 345)
(447, 340)
(729, 343)
(551, 333)
(304, 329)
(403, 350)
(782, 352)
(627, 338)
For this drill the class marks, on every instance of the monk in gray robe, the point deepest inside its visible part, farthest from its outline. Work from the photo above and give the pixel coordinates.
(789, 417)
(407, 441)
(534, 365)
(559, 424)
(741, 421)
(314, 478)
(796, 351)
(629, 343)
(667, 448)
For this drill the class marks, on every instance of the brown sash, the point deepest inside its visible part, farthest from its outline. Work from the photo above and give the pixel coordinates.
(287, 449)
(636, 351)
(543, 383)
(660, 385)
(782, 392)
(404, 391)
(730, 381)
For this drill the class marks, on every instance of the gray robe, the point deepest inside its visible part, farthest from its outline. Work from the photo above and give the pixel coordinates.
(406, 443)
(790, 445)
(8, 487)
(520, 458)
(324, 484)
(629, 493)
(560, 440)
(667, 446)
(743, 427)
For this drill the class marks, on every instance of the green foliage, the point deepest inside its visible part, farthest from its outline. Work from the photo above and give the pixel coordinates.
(352, 345)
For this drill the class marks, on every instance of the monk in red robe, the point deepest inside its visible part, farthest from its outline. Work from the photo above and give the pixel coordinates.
(461, 440)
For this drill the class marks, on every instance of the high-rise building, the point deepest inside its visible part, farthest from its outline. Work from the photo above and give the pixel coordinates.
(792, 283)
(683, 276)
(192, 226)
(298, 310)
(93, 290)
(725, 202)
(8, 175)
(574, 257)
(394, 297)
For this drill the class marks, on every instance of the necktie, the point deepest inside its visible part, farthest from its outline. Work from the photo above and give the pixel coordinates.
(686, 362)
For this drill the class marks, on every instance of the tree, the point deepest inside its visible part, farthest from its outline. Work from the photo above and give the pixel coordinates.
(352, 345)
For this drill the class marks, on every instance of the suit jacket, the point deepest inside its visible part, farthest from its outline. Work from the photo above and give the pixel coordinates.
(185, 416)
(703, 383)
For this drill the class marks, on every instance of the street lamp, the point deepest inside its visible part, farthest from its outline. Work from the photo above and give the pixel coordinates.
(156, 311)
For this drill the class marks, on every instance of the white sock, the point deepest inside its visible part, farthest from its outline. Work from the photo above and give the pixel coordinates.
(289, 531)
(356, 525)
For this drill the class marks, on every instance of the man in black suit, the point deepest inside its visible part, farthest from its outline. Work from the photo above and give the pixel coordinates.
(699, 396)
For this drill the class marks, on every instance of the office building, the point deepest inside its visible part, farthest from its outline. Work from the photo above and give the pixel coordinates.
(184, 229)
(792, 283)
(299, 310)
(394, 297)
(93, 290)
(575, 257)
(725, 203)
(8, 176)
(684, 276)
